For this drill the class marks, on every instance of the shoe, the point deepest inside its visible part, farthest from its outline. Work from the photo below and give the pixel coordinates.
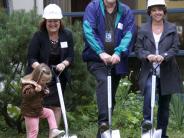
(103, 127)
(56, 132)
(146, 126)
(165, 136)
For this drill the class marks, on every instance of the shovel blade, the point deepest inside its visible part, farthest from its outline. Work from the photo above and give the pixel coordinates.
(156, 134)
(73, 136)
(146, 135)
(115, 134)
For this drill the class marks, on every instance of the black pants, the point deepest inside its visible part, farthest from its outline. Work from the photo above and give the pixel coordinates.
(163, 106)
(99, 71)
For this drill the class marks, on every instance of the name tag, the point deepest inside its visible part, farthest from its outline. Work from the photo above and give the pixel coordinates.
(64, 44)
(108, 37)
(120, 26)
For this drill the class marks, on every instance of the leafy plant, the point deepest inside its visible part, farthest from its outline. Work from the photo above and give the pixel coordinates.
(15, 33)
(83, 84)
(16, 30)
(177, 110)
(127, 114)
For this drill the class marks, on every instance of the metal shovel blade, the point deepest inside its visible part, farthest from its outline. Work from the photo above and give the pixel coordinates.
(155, 134)
(106, 134)
(73, 136)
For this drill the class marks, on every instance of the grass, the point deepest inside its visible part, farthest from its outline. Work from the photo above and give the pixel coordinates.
(90, 132)
(128, 128)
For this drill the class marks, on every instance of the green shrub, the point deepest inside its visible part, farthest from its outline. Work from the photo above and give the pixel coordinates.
(177, 111)
(129, 106)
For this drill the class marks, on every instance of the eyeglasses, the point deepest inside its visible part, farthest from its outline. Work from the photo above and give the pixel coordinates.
(53, 21)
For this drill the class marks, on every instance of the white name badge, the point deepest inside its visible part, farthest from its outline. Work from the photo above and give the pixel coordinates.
(120, 26)
(108, 37)
(63, 44)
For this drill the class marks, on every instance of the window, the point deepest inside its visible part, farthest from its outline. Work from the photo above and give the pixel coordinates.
(46, 2)
(3, 3)
(176, 0)
(178, 19)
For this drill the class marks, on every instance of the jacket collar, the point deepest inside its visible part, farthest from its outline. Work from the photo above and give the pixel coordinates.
(168, 28)
(147, 30)
(119, 11)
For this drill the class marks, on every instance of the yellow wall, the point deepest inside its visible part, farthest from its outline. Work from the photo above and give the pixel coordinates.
(175, 4)
(1, 4)
(141, 4)
(170, 4)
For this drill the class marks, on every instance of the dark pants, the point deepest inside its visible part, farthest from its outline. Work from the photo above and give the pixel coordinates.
(52, 99)
(99, 71)
(163, 106)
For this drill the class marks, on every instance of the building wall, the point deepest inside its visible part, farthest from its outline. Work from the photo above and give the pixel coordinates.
(170, 4)
(1, 4)
(175, 4)
(39, 5)
(24, 4)
(64, 4)
(28, 5)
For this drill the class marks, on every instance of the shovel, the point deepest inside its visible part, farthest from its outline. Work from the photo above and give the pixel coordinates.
(61, 100)
(110, 133)
(153, 133)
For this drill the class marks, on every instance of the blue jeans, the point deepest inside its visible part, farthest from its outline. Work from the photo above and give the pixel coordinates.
(163, 106)
(99, 71)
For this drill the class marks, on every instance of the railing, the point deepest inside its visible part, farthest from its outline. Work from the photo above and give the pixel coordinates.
(136, 12)
(80, 14)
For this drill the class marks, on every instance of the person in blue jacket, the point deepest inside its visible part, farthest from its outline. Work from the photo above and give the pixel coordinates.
(108, 28)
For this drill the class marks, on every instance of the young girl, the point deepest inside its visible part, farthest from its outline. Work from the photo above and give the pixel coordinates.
(33, 90)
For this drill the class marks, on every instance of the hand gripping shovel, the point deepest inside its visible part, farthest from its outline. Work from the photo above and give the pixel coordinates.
(110, 133)
(61, 100)
(153, 133)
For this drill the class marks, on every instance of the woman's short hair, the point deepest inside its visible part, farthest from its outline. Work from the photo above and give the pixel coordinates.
(164, 8)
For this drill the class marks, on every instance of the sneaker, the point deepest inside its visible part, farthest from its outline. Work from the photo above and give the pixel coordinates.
(103, 127)
(56, 132)
(146, 126)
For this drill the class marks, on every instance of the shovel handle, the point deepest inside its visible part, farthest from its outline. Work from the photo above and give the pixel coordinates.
(109, 68)
(53, 68)
(61, 100)
(154, 69)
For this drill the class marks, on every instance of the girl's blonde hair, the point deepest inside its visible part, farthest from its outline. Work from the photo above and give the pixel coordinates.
(40, 71)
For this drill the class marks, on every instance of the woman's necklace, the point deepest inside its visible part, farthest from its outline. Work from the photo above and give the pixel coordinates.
(157, 29)
(53, 41)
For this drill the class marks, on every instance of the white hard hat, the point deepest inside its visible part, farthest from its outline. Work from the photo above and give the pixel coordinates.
(52, 11)
(111, 1)
(155, 2)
